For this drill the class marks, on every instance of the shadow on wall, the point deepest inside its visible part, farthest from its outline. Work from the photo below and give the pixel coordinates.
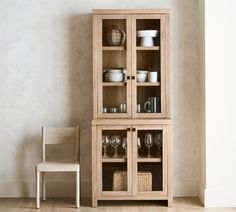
(80, 83)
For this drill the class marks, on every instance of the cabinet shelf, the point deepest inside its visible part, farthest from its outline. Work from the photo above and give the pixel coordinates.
(148, 48)
(113, 84)
(113, 48)
(114, 160)
(148, 83)
(149, 160)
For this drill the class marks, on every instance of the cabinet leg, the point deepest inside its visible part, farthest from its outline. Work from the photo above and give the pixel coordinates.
(94, 202)
(170, 202)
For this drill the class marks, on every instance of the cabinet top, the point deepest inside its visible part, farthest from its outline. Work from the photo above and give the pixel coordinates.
(130, 11)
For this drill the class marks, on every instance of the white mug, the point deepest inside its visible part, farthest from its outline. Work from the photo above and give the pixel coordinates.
(152, 76)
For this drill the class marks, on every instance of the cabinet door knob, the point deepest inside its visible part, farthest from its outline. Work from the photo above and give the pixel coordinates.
(128, 129)
(128, 77)
(133, 77)
(134, 129)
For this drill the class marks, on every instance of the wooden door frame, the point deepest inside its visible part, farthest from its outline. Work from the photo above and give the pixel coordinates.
(164, 82)
(129, 164)
(98, 69)
(165, 154)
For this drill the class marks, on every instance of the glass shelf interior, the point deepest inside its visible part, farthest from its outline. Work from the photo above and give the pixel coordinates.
(153, 180)
(114, 59)
(148, 99)
(107, 26)
(114, 177)
(151, 172)
(152, 138)
(110, 150)
(149, 24)
(114, 99)
(148, 60)
(114, 174)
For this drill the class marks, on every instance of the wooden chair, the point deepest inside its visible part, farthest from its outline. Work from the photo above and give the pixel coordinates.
(53, 135)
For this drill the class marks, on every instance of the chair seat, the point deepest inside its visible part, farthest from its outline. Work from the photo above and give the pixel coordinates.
(58, 166)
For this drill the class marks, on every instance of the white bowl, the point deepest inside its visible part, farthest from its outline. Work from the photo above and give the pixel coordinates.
(141, 77)
(147, 33)
(142, 72)
(114, 71)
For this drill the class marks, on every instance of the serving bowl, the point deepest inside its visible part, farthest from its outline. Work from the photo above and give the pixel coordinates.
(147, 37)
(142, 72)
(141, 77)
(147, 33)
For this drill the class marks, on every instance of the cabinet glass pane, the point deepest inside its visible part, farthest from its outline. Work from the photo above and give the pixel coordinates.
(148, 66)
(148, 24)
(150, 177)
(114, 60)
(114, 160)
(114, 66)
(148, 99)
(149, 157)
(114, 99)
(113, 32)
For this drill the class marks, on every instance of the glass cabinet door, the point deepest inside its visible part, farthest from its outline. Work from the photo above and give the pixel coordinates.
(148, 66)
(150, 160)
(114, 66)
(114, 159)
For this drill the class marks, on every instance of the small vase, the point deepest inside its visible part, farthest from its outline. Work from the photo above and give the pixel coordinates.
(116, 37)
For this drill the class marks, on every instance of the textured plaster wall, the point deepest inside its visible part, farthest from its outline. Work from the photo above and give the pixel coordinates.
(46, 79)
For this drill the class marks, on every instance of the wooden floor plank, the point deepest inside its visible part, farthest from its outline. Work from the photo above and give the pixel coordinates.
(68, 205)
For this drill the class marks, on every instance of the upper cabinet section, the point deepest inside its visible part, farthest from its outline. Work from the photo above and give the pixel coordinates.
(130, 64)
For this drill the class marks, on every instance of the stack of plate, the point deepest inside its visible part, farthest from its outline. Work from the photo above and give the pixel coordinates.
(114, 75)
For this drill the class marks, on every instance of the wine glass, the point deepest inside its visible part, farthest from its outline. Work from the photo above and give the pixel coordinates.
(115, 142)
(138, 146)
(105, 144)
(157, 140)
(148, 143)
(124, 145)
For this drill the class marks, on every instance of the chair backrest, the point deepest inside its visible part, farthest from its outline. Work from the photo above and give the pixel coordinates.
(60, 135)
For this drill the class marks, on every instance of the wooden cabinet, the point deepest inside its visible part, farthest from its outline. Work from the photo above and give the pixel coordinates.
(131, 125)
(131, 57)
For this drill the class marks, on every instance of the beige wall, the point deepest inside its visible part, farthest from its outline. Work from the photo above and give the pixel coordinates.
(46, 79)
(202, 149)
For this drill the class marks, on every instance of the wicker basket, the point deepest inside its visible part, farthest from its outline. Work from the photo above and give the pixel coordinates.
(120, 181)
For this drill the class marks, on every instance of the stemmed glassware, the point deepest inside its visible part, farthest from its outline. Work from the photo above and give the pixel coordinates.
(105, 144)
(115, 142)
(157, 140)
(149, 143)
(124, 145)
(138, 146)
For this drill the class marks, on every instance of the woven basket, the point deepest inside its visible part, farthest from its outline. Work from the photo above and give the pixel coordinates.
(120, 181)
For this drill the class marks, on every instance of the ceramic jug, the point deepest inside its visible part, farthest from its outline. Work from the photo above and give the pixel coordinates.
(116, 37)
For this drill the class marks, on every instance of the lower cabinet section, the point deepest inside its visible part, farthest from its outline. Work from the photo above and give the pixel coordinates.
(131, 160)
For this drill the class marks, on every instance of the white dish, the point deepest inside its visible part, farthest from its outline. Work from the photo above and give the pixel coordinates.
(114, 71)
(147, 33)
(114, 77)
(141, 77)
(142, 72)
(114, 74)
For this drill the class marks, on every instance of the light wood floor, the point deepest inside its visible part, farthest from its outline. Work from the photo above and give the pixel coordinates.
(61, 205)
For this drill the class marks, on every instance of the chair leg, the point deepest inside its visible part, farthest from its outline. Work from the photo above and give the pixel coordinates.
(37, 173)
(78, 189)
(44, 185)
